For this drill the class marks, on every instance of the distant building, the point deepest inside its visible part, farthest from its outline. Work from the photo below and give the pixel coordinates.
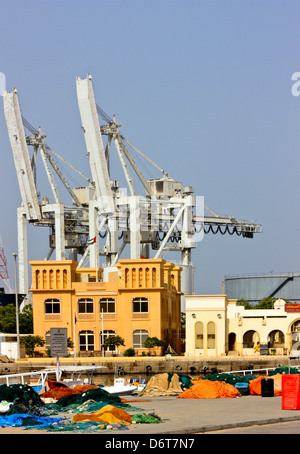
(216, 325)
(9, 347)
(255, 287)
(137, 298)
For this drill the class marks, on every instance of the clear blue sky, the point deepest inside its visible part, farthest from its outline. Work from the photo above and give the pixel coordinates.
(202, 87)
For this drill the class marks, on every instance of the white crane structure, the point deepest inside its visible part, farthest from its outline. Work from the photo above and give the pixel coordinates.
(168, 217)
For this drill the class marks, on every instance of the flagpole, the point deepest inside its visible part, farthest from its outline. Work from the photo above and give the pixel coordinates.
(102, 333)
(97, 259)
(74, 335)
(93, 241)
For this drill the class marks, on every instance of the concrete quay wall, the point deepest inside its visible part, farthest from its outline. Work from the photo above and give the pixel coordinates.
(156, 365)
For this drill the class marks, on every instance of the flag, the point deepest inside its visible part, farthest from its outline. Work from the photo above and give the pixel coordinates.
(92, 240)
(75, 319)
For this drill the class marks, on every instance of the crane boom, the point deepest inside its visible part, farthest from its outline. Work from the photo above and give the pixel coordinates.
(21, 155)
(94, 143)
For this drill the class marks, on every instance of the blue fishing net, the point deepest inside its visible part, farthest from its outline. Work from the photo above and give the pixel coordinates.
(24, 420)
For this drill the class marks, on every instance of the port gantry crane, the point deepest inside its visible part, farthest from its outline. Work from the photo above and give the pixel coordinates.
(168, 217)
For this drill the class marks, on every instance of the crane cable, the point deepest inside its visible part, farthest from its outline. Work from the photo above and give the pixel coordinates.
(34, 131)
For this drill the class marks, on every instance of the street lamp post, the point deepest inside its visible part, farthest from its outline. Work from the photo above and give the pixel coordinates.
(17, 307)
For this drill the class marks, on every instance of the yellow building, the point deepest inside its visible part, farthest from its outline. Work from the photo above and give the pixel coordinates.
(139, 299)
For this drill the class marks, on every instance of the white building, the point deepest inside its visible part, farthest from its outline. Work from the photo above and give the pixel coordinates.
(8, 346)
(217, 326)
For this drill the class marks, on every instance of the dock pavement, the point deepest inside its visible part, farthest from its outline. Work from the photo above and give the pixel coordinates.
(194, 416)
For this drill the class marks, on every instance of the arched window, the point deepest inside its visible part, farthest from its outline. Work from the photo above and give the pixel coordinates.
(51, 279)
(141, 277)
(52, 306)
(58, 279)
(147, 277)
(250, 339)
(140, 305)
(126, 277)
(211, 335)
(45, 279)
(276, 339)
(38, 279)
(199, 335)
(295, 330)
(65, 279)
(133, 277)
(85, 306)
(86, 341)
(138, 338)
(153, 277)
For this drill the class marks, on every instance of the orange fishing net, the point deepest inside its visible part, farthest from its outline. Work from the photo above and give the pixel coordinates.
(58, 390)
(108, 415)
(207, 389)
(255, 385)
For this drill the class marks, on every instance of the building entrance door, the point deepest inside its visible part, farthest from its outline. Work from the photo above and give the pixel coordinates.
(231, 342)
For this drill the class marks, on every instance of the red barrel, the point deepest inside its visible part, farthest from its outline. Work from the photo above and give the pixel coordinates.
(290, 394)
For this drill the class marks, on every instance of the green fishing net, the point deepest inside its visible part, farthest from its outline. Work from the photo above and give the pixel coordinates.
(230, 378)
(142, 418)
(185, 380)
(284, 370)
(23, 394)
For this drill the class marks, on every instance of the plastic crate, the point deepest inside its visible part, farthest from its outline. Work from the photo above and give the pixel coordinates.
(243, 388)
(290, 392)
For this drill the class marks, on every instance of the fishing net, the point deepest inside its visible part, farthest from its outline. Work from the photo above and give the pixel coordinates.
(284, 370)
(108, 415)
(142, 418)
(95, 394)
(22, 399)
(255, 385)
(165, 384)
(184, 380)
(30, 409)
(29, 421)
(68, 425)
(230, 378)
(207, 389)
(58, 390)
(22, 394)
(92, 406)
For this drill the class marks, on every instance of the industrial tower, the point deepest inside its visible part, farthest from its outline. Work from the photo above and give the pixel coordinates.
(3, 267)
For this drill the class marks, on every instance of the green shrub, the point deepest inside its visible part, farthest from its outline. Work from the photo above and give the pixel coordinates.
(129, 352)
